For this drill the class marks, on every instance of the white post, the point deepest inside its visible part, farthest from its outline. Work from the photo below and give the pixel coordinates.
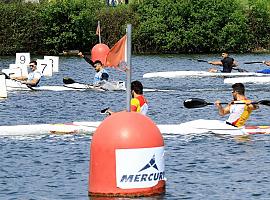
(128, 90)
(3, 88)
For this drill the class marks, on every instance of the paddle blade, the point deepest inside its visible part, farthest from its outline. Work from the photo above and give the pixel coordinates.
(264, 102)
(199, 60)
(195, 103)
(67, 80)
(104, 111)
(253, 62)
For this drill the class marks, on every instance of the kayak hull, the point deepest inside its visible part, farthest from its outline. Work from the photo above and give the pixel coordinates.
(193, 127)
(252, 79)
(13, 85)
(183, 74)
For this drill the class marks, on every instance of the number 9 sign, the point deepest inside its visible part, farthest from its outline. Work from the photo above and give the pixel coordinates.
(22, 58)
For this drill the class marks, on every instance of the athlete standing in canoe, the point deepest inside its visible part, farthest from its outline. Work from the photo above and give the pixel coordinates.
(101, 73)
(239, 109)
(227, 62)
(138, 103)
(33, 77)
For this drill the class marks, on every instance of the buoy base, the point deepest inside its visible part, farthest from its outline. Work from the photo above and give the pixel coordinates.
(159, 189)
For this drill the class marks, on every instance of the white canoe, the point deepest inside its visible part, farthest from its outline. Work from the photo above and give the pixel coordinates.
(41, 129)
(13, 85)
(251, 79)
(183, 74)
(17, 85)
(193, 127)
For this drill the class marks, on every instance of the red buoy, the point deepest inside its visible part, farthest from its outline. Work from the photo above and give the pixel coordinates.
(99, 52)
(127, 157)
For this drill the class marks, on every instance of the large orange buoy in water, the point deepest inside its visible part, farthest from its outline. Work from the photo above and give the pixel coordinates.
(127, 157)
(99, 52)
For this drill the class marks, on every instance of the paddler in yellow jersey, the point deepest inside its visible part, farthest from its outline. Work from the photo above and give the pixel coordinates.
(138, 103)
(239, 109)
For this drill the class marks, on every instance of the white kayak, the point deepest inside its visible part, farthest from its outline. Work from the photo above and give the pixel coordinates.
(41, 129)
(13, 85)
(17, 85)
(183, 74)
(218, 127)
(251, 79)
(193, 127)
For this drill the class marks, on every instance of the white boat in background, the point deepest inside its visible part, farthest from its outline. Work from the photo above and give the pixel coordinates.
(184, 74)
(193, 127)
(251, 79)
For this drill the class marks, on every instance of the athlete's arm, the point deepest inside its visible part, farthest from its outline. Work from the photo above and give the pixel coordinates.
(32, 82)
(88, 60)
(222, 111)
(215, 63)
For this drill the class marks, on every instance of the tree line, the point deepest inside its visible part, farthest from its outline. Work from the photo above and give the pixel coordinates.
(158, 26)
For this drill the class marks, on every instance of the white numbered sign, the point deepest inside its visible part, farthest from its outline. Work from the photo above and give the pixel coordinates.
(54, 61)
(45, 67)
(22, 58)
(16, 70)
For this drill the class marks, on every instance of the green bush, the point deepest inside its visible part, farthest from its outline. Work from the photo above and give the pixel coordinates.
(159, 26)
(20, 28)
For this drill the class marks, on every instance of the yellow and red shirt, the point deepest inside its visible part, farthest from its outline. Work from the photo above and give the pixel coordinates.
(139, 104)
(239, 113)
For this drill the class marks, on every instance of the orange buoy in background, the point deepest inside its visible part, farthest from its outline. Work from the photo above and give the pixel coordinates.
(99, 52)
(127, 157)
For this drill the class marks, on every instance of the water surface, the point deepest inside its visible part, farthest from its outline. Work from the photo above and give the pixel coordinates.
(197, 166)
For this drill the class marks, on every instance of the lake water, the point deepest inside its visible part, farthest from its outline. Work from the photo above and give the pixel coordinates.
(197, 166)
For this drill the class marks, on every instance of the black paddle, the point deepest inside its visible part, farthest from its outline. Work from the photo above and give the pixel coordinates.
(198, 103)
(104, 111)
(234, 68)
(199, 60)
(67, 80)
(239, 69)
(253, 62)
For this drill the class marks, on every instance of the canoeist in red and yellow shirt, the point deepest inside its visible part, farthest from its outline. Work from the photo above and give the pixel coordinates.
(239, 109)
(138, 102)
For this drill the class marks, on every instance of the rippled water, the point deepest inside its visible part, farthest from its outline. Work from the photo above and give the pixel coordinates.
(197, 167)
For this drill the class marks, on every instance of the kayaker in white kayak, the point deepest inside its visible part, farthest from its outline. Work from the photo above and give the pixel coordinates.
(239, 109)
(33, 77)
(101, 73)
(227, 62)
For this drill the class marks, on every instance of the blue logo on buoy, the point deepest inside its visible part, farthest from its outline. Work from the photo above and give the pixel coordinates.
(152, 163)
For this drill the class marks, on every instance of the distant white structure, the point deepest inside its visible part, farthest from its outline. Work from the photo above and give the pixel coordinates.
(116, 2)
(31, 1)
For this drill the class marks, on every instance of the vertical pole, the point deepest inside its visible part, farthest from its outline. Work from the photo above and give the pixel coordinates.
(128, 67)
(3, 88)
(99, 35)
